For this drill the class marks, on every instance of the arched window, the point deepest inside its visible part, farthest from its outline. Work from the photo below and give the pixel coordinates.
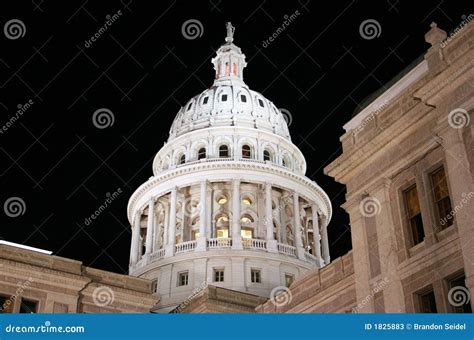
(227, 69)
(246, 151)
(247, 200)
(266, 155)
(202, 153)
(223, 151)
(285, 161)
(182, 159)
(235, 68)
(246, 219)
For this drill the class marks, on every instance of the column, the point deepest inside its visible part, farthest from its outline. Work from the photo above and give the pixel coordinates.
(297, 224)
(316, 236)
(172, 225)
(201, 241)
(149, 227)
(236, 234)
(166, 224)
(325, 242)
(135, 239)
(271, 242)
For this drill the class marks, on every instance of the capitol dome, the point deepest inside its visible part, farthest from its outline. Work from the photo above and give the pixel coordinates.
(228, 203)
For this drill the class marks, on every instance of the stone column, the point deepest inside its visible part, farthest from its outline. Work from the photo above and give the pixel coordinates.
(149, 227)
(201, 241)
(325, 243)
(297, 224)
(172, 225)
(236, 234)
(316, 236)
(166, 224)
(135, 239)
(271, 242)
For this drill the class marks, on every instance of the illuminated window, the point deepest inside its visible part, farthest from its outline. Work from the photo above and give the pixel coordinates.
(28, 306)
(247, 201)
(289, 278)
(441, 198)
(246, 234)
(246, 219)
(246, 151)
(205, 100)
(255, 276)
(222, 233)
(415, 221)
(235, 68)
(243, 98)
(224, 98)
(223, 151)
(195, 234)
(223, 218)
(260, 102)
(218, 275)
(266, 155)
(202, 153)
(182, 159)
(183, 278)
(222, 200)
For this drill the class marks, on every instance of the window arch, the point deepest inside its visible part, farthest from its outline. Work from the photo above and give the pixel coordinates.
(246, 151)
(223, 151)
(182, 159)
(246, 219)
(227, 69)
(201, 153)
(267, 156)
(285, 161)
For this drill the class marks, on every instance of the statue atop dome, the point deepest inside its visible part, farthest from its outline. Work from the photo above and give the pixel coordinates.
(230, 32)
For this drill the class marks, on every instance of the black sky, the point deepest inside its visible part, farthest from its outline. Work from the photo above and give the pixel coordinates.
(143, 69)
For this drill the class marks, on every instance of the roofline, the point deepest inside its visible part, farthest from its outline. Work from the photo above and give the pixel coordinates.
(22, 246)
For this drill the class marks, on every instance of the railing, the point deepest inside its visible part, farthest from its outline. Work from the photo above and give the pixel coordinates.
(185, 247)
(252, 243)
(286, 249)
(157, 254)
(311, 257)
(216, 243)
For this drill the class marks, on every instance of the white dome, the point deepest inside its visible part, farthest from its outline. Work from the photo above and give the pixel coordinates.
(229, 102)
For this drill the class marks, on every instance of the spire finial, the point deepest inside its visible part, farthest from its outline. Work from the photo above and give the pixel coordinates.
(230, 32)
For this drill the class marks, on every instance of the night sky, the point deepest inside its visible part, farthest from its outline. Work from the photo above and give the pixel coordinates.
(60, 167)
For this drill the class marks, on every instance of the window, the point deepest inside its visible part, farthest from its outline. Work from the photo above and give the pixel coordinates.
(6, 304)
(246, 151)
(223, 218)
(218, 275)
(246, 219)
(28, 307)
(246, 234)
(223, 151)
(195, 234)
(289, 278)
(458, 284)
(266, 155)
(189, 106)
(427, 302)
(224, 98)
(154, 285)
(255, 276)
(222, 200)
(243, 98)
(182, 159)
(227, 69)
(441, 197)
(223, 233)
(235, 68)
(205, 100)
(183, 278)
(285, 162)
(415, 221)
(202, 153)
(260, 102)
(247, 201)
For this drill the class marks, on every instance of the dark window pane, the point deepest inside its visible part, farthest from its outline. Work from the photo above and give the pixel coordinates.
(428, 303)
(28, 306)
